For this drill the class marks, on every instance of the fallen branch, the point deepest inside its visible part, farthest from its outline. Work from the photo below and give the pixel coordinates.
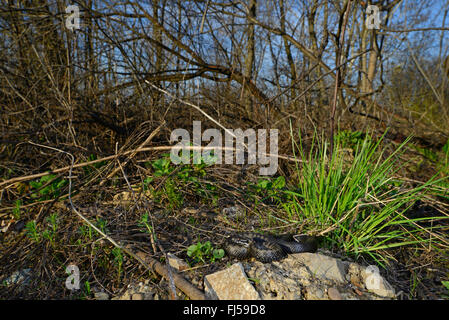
(181, 283)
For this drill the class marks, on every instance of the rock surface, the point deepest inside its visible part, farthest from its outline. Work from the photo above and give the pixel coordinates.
(230, 284)
(301, 276)
(101, 296)
(21, 277)
(309, 276)
(322, 266)
(139, 291)
(334, 294)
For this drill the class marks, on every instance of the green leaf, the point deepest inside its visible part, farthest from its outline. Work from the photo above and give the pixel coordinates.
(218, 253)
(45, 190)
(148, 180)
(445, 284)
(264, 184)
(47, 178)
(192, 249)
(35, 185)
(61, 184)
(279, 183)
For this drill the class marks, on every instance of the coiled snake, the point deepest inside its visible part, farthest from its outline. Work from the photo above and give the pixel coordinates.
(268, 248)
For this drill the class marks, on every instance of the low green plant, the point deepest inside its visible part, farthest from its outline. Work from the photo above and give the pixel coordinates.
(440, 158)
(176, 178)
(268, 189)
(350, 139)
(256, 281)
(202, 252)
(86, 231)
(443, 160)
(16, 212)
(361, 209)
(425, 152)
(118, 260)
(87, 288)
(101, 224)
(50, 233)
(162, 166)
(193, 174)
(48, 187)
(93, 167)
(147, 183)
(174, 197)
(414, 282)
(446, 285)
(440, 161)
(445, 151)
(145, 223)
(32, 231)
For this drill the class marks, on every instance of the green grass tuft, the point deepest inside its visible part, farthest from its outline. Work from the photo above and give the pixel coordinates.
(358, 207)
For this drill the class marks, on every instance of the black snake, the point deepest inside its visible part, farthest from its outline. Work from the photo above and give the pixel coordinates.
(267, 248)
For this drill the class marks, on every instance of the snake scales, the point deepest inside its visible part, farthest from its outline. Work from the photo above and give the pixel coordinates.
(267, 248)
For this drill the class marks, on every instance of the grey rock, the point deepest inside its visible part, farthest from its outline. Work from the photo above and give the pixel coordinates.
(21, 277)
(138, 296)
(148, 296)
(370, 278)
(308, 276)
(273, 283)
(125, 296)
(376, 284)
(234, 212)
(314, 293)
(323, 266)
(334, 294)
(311, 276)
(101, 296)
(354, 275)
(230, 284)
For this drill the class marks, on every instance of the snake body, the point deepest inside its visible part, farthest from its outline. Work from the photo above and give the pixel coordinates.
(267, 248)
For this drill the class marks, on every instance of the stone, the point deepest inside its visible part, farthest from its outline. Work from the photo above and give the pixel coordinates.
(125, 296)
(101, 296)
(314, 293)
(21, 277)
(137, 296)
(273, 283)
(334, 294)
(311, 276)
(234, 212)
(148, 296)
(354, 275)
(230, 284)
(315, 277)
(376, 284)
(323, 266)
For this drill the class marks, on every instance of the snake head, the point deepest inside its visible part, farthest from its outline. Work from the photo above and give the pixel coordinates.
(309, 241)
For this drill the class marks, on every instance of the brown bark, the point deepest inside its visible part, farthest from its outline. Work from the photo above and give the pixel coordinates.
(249, 60)
(288, 52)
(446, 66)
